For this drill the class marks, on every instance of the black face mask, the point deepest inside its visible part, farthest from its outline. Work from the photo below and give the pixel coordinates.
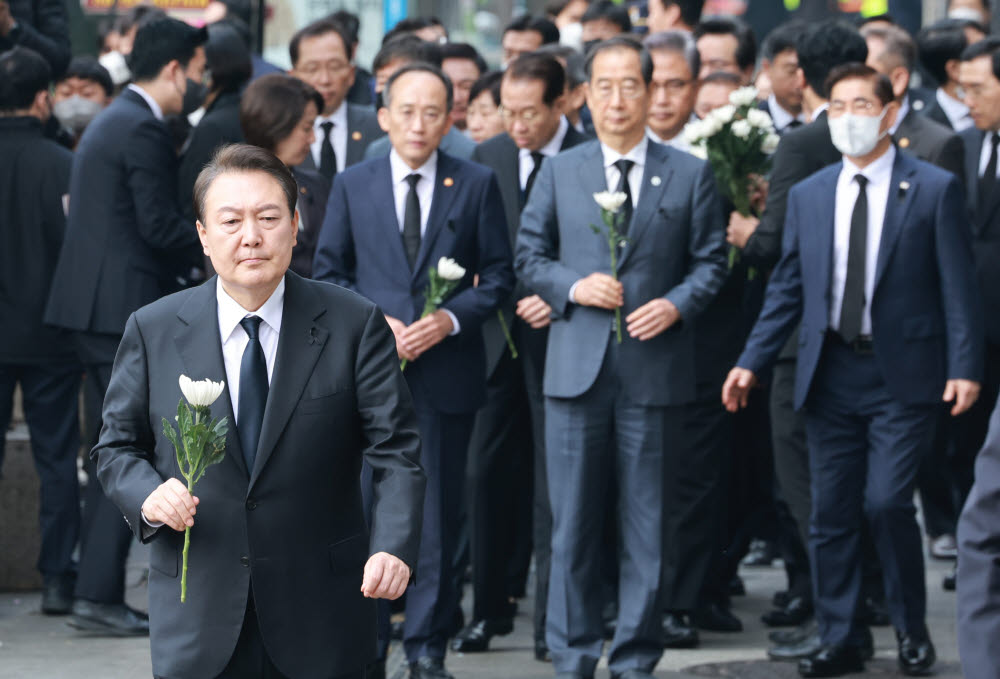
(194, 95)
(378, 101)
(588, 45)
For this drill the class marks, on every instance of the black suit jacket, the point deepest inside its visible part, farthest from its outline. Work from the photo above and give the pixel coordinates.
(34, 178)
(929, 141)
(937, 114)
(985, 234)
(362, 129)
(43, 27)
(314, 190)
(219, 126)
(292, 527)
(125, 231)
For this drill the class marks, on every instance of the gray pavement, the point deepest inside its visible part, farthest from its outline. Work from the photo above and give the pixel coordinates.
(37, 646)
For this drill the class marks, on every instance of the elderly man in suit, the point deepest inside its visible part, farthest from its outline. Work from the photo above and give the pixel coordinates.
(613, 411)
(321, 56)
(868, 315)
(313, 387)
(509, 430)
(123, 191)
(389, 220)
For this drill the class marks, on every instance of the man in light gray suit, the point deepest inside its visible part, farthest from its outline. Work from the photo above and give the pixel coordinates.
(613, 411)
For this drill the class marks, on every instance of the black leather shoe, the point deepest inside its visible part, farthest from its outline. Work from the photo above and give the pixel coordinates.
(785, 637)
(916, 655)
(396, 629)
(716, 618)
(476, 637)
(796, 612)
(805, 648)
(677, 633)
(632, 674)
(874, 612)
(762, 553)
(572, 675)
(950, 580)
(429, 668)
(57, 594)
(781, 598)
(375, 670)
(832, 661)
(542, 651)
(112, 619)
(737, 586)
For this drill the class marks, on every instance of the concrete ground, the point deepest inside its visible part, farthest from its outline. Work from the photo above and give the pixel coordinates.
(37, 646)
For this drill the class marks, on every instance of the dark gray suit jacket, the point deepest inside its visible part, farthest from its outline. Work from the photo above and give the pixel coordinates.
(677, 251)
(362, 130)
(293, 524)
(932, 142)
(985, 234)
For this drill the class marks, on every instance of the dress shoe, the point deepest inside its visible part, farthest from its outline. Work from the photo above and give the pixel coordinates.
(916, 655)
(762, 553)
(811, 645)
(375, 670)
(678, 633)
(631, 674)
(832, 661)
(476, 637)
(737, 587)
(111, 619)
(57, 594)
(781, 598)
(944, 547)
(429, 668)
(396, 629)
(572, 675)
(716, 618)
(950, 580)
(874, 612)
(542, 651)
(787, 637)
(797, 611)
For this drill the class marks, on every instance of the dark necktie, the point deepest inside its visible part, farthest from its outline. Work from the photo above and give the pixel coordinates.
(253, 391)
(988, 182)
(537, 157)
(327, 158)
(411, 221)
(853, 305)
(624, 166)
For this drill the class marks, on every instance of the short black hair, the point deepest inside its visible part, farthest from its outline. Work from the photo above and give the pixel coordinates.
(542, 67)
(722, 78)
(23, 74)
(540, 25)
(746, 42)
(939, 43)
(159, 41)
(881, 82)
(825, 45)
(272, 106)
(420, 67)
(488, 82)
(314, 30)
(408, 47)
(610, 11)
(576, 69)
(620, 42)
(679, 42)
(89, 68)
(243, 158)
(783, 37)
(690, 9)
(463, 50)
(227, 57)
(349, 21)
(411, 25)
(986, 47)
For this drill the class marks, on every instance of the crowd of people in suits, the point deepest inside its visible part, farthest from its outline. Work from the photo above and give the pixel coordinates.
(786, 402)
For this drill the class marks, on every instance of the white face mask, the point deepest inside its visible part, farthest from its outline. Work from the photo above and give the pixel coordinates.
(571, 35)
(967, 14)
(76, 113)
(855, 135)
(115, 63)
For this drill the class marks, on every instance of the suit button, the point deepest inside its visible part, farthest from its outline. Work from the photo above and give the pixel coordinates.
(251, 505)
(245, 560)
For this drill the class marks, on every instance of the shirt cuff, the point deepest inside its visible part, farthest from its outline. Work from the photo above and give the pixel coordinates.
(148, 527)
(572, 292)
(454, 321)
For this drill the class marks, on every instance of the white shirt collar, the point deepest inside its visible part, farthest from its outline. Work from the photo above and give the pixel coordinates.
(554, 145)
(400, 170)
(957, 112)
(876, 172)
(157, 111)
(819, 109)
(231, 313)
(637, 154)
(781, 117)
(904, 108)
(338, 118)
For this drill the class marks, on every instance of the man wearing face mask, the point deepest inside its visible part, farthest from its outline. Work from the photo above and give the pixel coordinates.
(82, 92)
(125, 236)
(898, 291)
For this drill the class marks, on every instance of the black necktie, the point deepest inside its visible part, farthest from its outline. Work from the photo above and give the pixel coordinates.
(624, 166)
(411, 221)
(253, 391)
(988, 182)
(537, 157)
(327, 158)
(853, 305)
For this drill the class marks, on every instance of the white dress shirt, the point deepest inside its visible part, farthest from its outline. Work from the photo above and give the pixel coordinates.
(525, 163)
(780, 116)
(984, 154)
(234, 337)
(157, 111)
(677, 141)
(338, 136)
(879, 176)
(955, 110)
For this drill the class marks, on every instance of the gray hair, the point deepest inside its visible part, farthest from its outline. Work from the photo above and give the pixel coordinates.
(900, 49)
(680, 42)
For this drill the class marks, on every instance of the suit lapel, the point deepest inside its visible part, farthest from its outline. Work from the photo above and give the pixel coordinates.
(816, 233)
(200, 348)
(972, 176)
(299, 345)
(356, 141)
(592, 177)
(655, 178)
(896, 208)
(384, 204)
(447, 185)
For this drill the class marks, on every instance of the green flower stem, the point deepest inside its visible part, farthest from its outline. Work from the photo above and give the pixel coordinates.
(618, 309)
(184, 568)
(506, 334)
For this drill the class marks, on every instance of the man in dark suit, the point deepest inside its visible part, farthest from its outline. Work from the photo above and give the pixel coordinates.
(781, 63)
(614, 411)
(390, 220)
(509, 431)
(34, 174)
(940, 46)
(123, 190)
(321, 56)
(867, 317)
(310, 387)
(40, 25)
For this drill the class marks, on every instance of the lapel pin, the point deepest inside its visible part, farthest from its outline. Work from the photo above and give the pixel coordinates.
(356, 136)
(448, 181)
(903, 188)
(904, 142)
(302, 190)
(655, 181)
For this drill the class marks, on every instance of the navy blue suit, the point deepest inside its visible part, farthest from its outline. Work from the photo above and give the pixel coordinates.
(360, 247)
(868, 414)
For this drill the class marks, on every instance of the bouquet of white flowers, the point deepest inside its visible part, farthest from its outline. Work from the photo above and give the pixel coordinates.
(442, 281)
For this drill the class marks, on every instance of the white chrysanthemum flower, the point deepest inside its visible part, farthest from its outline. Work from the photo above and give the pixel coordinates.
(723, 114)
(610, 201)
(711, 126)
(693, 132)
(699, 151)
(201, 393)
(760, 119)
(744, 96)
(770, 143)
(449, 269)
(742, 129)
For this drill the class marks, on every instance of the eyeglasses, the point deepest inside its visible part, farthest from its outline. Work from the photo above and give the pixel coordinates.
(629, 89)
(859, 106)
(528, 115)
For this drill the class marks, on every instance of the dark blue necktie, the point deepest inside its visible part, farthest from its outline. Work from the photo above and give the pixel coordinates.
(253, 391)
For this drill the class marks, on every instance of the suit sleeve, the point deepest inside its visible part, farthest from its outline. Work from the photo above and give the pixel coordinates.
(47, 33)
(963, 307)
(334, 261)
(763, 249)
(124, 453)
(707, 250)
(782, 301)
(496, 273)
(951, 156)
(152, 179)
(392, 443)
(537, 250)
